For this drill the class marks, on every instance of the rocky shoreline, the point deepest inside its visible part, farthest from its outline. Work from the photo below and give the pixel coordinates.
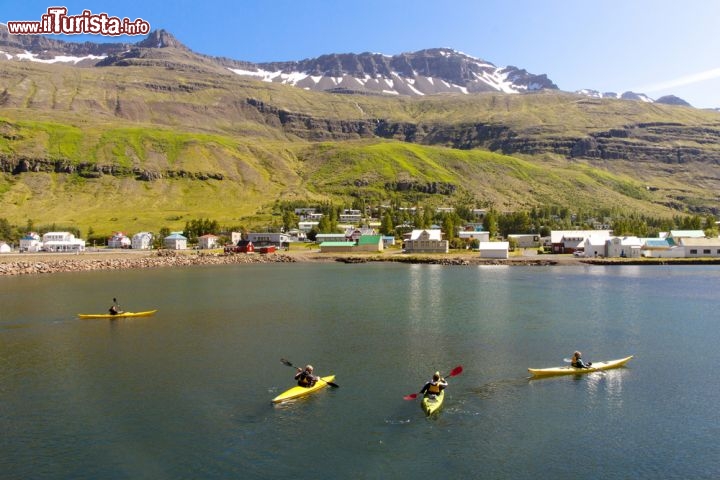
(76, 263)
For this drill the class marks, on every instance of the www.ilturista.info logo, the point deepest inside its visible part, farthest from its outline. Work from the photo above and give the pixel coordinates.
(57, 22)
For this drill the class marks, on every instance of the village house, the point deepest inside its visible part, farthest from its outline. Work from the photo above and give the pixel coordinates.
(528, 240)
(353, 217)
(628, 247)
(331, 237)
(30, 242)
(370, 243)
(494, 249)
(305, 227)
(62, 242)
(700, 247)
(141, 241)
(474, 235)
(426, 241)
(266, 239)
(337, 247)
(119, 240)
(5, 248)
(208, 241)
(175, 241)
(568, 241)
(354, 234)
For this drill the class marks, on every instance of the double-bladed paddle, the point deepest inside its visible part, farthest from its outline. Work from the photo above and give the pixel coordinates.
(289, 364)
(453, 373)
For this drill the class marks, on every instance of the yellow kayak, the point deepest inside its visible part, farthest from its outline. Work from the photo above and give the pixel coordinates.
(298, 391)
(90, 316)
(432, 403)
(568, 370)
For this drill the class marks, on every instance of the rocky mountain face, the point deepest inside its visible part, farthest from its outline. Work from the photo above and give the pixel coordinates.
(438, 70)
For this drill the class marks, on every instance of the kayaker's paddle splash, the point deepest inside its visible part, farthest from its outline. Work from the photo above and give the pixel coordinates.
(433, 392)
(309, 385)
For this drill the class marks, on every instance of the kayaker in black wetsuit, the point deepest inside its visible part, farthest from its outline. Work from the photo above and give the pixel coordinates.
(434, 386)
(115, 309)
(578, 362)
(305, 378)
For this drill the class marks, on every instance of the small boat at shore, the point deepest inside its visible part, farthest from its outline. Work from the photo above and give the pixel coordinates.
(92, 316)
(568, 370)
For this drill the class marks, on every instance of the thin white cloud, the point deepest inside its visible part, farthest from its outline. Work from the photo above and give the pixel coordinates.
(682, 81)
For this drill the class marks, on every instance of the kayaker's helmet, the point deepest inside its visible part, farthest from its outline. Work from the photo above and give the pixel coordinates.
(436, 376)
(309, 368)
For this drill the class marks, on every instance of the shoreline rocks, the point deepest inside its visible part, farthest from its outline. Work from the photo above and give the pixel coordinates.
(160, 260)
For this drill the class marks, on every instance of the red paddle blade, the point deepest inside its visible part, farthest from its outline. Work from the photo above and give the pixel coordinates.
(456, 371)
(412, 396)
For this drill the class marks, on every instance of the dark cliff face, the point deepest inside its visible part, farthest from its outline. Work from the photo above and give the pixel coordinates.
(639, 143)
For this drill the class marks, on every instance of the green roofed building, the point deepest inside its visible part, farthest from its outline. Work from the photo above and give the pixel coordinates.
(370, 243)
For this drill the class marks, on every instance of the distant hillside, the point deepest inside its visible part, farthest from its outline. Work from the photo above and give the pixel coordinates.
(156, 135)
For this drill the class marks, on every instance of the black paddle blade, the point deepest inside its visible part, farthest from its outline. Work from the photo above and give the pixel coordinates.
(286, 362)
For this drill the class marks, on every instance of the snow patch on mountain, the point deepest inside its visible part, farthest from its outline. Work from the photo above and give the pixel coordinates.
(32, 57)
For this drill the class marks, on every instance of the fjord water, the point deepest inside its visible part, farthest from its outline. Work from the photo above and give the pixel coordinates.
(186, 393)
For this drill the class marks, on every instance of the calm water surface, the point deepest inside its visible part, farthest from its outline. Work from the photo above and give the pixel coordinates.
(186, 394)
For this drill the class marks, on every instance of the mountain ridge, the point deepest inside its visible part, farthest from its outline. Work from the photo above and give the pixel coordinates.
(424, 72)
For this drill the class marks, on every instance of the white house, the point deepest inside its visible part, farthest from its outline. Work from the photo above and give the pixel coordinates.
(701, 247)
(426, 241)
(524, 240)
(474, 235)
(307, 226)
(677, 235)
(629, 247)
(330, 237)
(141, 241)
(595, 246)
(208, 241)
(567, 241)
(175, 241)
(494, 249)
(264, 239)
(62, 242)
(350, 216)
(119, 240)
(5, 248)
(30, 242)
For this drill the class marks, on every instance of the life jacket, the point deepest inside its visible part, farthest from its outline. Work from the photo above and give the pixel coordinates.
(434, 388)
(306, 380)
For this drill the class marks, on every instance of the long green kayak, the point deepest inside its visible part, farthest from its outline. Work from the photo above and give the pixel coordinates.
(298, 391)
(432, 403)
(568, 370)
(90, 316)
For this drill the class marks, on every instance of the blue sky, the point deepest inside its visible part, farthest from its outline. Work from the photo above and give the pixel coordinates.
(657, 47)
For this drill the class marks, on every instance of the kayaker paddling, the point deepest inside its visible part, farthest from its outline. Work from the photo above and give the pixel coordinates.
(436, 385)
(305, 377)
(115, 308)
(577, 361)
